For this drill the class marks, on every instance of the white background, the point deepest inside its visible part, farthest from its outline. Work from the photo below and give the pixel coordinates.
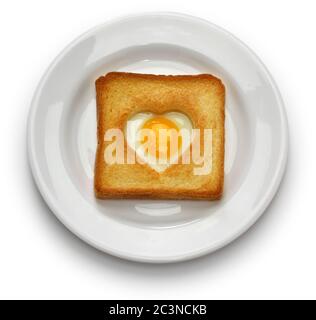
(39, 258)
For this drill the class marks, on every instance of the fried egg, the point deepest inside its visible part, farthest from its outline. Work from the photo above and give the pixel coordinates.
(159, 151)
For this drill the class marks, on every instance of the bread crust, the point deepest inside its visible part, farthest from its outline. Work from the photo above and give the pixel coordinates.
(120, 95)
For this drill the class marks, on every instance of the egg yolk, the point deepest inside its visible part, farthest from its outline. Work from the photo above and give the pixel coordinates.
(163, 150)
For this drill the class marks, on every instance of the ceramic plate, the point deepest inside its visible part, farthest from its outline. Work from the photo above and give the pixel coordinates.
(62, 137)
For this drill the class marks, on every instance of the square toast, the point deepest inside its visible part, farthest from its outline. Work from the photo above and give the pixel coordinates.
(201, 98)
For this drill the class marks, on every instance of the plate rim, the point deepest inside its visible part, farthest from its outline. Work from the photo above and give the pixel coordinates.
(258, 210)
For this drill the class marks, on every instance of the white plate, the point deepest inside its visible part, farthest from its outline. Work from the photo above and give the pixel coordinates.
(62, 138)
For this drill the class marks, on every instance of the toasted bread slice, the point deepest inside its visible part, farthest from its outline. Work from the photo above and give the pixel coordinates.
(121, 95)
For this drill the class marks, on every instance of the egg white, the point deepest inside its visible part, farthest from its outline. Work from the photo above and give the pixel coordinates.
(136, 123)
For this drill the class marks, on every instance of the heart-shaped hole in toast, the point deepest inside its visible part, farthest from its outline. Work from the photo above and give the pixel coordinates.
(166, 127)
